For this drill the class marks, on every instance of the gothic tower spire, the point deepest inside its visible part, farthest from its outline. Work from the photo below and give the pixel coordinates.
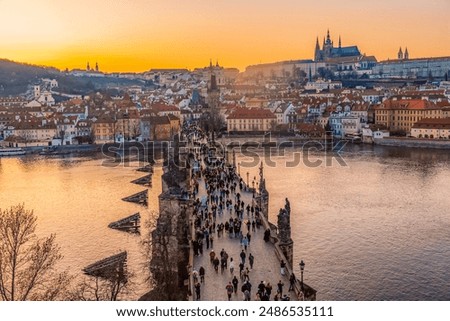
(406, 56)
(400, 53)
(317, 50)
(328, 42)
(339, 41)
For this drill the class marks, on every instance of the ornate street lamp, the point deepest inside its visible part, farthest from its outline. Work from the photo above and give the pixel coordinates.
(302, 268)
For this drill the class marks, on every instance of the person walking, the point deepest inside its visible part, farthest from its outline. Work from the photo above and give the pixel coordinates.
(197, 290)
(241, 267)
(235, 282)
(261, 287)
(212, 256)
(223, 264)
(268, 290)
(280, 288)
(282, 267)
(195, 276)
(201, 272)
(229, 289)
(251, 260)
(243, 255)
(216, 264)
(231, 266)
(292, 280)
(245, 242)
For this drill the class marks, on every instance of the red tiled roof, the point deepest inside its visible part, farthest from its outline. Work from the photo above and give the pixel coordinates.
(407, 104)
(441, 123)
(160, 107)
(251, 113)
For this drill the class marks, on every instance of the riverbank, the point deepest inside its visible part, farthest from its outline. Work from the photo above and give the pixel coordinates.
(413, 142)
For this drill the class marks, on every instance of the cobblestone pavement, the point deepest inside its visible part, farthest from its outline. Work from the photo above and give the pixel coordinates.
(266, 264)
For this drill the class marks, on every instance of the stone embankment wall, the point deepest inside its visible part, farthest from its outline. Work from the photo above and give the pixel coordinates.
(411, 142)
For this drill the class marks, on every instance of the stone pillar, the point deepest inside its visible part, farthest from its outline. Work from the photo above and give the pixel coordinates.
(263, 197)
(284, 233)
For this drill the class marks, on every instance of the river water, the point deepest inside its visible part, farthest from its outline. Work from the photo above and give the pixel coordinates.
(76, 198)
(376, 229)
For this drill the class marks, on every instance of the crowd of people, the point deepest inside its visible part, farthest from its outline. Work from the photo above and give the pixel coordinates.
(221, 211)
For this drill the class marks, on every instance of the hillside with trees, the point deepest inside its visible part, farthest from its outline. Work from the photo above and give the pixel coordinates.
(15, 79)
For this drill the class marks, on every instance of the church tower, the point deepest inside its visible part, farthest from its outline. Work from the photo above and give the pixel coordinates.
(328, 46)
(96, 66)
(213, 91)
(88, 68)
(317, 50)
(339, 41)
(400, 53)
(406, 53)
(328, 37)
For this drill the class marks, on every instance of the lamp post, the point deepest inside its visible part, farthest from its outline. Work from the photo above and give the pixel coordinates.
(302, 268)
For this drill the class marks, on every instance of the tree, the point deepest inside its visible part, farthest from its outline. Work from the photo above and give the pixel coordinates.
(135, 129)
(212, 121)
(92, 136)
(27, 263)
(273, 125)
(328, 128)
(106, 288)
(325, 73)
(161, 248)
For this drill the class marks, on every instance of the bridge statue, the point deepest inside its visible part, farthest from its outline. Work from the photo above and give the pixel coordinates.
(284, 232)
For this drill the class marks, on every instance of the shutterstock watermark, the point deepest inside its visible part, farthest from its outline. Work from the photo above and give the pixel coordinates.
(248, 153)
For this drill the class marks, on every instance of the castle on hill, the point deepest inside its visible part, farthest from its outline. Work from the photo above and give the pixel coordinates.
(329, 51)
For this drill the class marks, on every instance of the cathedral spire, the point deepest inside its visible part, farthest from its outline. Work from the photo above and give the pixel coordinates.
(339, 41)
(400, 53)
(88, 67)
(317, 50)
(210, 63)
(328, 42)
(217, 62)
(406, 56)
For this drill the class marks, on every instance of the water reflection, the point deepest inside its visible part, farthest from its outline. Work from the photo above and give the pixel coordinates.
(375, 230)
(77, 198)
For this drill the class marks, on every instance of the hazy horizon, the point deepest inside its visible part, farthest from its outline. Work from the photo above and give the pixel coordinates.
(139, 35)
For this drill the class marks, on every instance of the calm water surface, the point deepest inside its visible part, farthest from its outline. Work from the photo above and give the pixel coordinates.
(377, 229)
(77, 198)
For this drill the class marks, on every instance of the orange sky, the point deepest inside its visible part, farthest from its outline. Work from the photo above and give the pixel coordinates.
(137, 35)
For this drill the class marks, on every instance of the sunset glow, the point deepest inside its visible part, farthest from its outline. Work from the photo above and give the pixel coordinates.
(137, 35)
